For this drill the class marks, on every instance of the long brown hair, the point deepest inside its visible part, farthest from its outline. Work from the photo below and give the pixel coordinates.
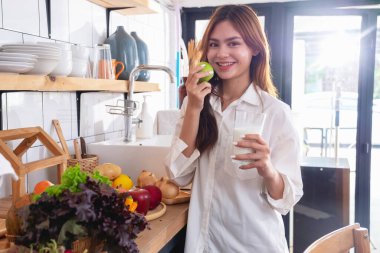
(246, 22)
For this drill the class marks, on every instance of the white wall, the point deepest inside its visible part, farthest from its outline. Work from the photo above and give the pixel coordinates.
(75, 22)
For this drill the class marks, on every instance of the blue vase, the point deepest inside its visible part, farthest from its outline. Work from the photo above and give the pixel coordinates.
(143, 55)
(124, 49)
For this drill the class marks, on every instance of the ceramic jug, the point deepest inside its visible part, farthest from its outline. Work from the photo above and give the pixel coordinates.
(143, 56)
(124, 49)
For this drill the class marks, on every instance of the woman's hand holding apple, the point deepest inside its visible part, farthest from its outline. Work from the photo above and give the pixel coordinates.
(196, 91)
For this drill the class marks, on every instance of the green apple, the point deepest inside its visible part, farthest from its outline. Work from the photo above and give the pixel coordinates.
(207, 68)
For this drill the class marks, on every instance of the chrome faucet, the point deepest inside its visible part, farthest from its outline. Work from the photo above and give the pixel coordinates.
(130, 105)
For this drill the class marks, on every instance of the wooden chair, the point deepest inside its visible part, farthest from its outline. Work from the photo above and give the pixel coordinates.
(342, 240)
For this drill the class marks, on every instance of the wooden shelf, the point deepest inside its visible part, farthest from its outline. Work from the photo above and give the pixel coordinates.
(47, 83)
(134, 7)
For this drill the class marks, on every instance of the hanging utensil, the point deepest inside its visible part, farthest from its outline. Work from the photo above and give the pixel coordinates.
(77, 150)
(83, 146)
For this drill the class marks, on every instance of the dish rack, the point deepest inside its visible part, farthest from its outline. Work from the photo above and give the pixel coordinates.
(123, 107)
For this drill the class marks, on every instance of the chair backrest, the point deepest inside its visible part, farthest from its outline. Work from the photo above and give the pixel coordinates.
(166, 121)
(342, 240)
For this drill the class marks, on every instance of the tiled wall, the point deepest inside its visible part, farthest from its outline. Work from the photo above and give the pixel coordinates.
(76, 22)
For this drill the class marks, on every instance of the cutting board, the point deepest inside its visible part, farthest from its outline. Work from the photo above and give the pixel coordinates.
(182, 197)
(156, 213)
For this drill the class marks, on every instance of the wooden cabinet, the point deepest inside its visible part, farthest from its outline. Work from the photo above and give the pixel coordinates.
(324, 206)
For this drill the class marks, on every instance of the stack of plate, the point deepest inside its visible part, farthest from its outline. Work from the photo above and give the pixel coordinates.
(16, 62)
(47, 56)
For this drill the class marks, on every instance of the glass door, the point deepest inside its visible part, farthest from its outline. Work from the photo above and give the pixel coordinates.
(325, 77)
(375, 156)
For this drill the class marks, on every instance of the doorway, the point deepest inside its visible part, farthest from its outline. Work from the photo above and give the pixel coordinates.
(325, 77)
(345, 120)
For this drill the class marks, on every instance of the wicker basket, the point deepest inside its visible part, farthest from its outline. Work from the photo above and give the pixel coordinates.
(87, 163)
(79, 246)
(11, 238)
(86, 243)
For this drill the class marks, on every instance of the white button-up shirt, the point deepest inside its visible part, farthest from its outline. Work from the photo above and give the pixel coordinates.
(230, 209)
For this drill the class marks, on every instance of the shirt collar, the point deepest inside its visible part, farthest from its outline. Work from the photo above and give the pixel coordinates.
(250, 96)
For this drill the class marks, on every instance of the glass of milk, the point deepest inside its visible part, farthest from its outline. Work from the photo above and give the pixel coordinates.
(246, 123)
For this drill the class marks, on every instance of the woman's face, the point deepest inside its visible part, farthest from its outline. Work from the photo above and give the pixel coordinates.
(229, 55)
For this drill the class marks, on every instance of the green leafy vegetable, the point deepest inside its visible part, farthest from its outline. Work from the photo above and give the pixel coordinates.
(72, 177)
(82, 205)
(101, 179)
(50, 247)
(69, 229)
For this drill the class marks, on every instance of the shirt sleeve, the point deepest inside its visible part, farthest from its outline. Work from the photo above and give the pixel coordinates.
(181, 168)
(286, 156)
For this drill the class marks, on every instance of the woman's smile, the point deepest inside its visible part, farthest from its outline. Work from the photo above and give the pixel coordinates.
(225, 66)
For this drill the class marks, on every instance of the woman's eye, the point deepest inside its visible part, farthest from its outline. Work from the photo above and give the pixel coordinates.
(212, 44)
(233, 44)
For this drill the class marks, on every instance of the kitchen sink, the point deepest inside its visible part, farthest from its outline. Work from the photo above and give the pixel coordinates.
(132, 157)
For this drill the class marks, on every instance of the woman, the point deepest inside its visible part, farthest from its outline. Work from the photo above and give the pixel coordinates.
(235, 208)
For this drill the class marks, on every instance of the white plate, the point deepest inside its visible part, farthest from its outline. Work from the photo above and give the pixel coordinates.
(18, 55)
(38, 53)
(41, 49)
(15, 68)
(49, 47)
(31, 50)
(18, 59)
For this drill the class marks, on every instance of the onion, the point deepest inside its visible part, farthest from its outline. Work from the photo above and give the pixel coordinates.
(146, 178)
(169, 189)
(109, 170)
(161, 181)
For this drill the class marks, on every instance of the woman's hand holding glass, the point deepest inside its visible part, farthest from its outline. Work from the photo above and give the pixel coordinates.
(250, 150)
(196, 92)
(258, 158)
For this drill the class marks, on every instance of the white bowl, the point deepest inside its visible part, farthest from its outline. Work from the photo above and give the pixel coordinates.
(65, 64)
(44, 66)
(64, 67)
(15, 67)
(80, 52)
(80, 68)
(18, 59)
(62, 46)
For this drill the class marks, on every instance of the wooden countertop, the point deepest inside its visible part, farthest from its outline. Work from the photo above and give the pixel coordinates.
(163, 229)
